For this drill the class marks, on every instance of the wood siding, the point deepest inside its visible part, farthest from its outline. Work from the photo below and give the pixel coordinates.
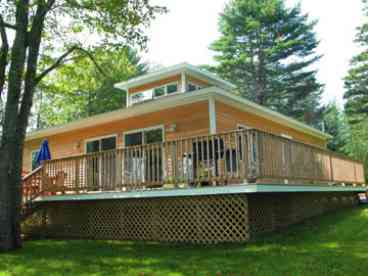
(190, 120)
(228, 118)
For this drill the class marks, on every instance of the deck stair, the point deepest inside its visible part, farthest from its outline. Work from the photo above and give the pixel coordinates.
(31, 190)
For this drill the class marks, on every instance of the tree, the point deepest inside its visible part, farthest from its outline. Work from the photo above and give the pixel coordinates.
(356, 81)
(356, 96)
(335, 123)
(41, 29)
(268, 51)
(79, 90)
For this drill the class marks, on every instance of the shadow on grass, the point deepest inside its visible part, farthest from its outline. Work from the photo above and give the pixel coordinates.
(330, 245)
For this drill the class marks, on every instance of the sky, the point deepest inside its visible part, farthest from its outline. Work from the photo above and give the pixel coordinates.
(186, 31)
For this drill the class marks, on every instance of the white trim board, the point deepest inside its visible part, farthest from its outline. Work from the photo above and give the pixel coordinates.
(232, 189)
(212, 115)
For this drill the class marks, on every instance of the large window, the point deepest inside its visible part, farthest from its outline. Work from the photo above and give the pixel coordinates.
(101, 144)
(165, 90)
(156, 92)
(142, 137)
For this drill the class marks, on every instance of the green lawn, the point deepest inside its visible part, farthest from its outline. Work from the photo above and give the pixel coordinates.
(332, 245)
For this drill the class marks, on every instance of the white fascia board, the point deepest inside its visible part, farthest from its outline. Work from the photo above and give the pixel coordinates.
(251, 107)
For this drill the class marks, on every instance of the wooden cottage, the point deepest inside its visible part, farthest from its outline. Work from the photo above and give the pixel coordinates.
(186, 160)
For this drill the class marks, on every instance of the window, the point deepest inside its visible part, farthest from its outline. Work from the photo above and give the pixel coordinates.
(34, 155)
(145, 136)
(193, 87)
(101, 144)
(137, 98)
(165, 90)
(156, 92)
(172, 88)
(159, 91)
(141, 96)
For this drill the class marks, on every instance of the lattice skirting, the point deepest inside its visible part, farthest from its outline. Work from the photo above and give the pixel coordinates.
(270, 212)
(192, 219)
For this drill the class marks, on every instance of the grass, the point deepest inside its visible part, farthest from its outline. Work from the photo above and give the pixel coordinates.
(335, 244)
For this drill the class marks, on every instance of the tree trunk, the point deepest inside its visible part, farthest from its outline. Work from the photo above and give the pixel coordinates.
(10, 237)
(11, 146)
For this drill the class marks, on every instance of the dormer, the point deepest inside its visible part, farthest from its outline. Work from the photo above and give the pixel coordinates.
(169, 81)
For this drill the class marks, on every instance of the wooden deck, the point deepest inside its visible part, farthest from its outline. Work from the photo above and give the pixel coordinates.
(237, 157)
(219, 188)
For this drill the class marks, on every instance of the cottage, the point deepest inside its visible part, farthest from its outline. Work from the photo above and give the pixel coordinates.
(185, 160)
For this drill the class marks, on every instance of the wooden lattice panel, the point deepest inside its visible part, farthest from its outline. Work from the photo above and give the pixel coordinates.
(269, 212)
(196, 219)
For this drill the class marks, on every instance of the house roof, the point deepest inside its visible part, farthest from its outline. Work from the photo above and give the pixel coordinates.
(178, 100)
(174, 70)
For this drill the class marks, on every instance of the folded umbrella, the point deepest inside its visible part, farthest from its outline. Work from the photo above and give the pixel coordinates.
(44, 153)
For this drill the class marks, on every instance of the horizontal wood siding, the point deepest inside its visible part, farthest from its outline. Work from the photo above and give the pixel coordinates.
(228, 118)
(190, 120)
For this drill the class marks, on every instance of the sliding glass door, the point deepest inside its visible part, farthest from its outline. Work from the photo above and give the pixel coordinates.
(101, 169)
(145, 163)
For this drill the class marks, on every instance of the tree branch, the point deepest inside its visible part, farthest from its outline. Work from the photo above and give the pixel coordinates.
(62, 59)
(7, 25)
(92, 58)
(3, 54)
(57, 63)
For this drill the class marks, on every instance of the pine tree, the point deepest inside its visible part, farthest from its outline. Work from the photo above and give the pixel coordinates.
(335, 123)
(268, 50)
(356, 82)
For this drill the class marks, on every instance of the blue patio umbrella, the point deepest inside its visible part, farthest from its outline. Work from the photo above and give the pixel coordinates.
(44, 153)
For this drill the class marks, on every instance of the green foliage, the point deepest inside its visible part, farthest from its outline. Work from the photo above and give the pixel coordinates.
(334, 244)
(335, 123)
(356, 82)
(79, 89)
(268, 51)
(356, 95)
(357, 147)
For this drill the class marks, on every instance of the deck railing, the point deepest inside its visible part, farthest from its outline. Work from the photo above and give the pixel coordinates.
(227, 158)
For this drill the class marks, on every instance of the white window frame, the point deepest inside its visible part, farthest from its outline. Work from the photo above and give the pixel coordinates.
(165, 88)
(99, 138)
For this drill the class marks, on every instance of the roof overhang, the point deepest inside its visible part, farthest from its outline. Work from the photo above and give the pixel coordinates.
(179, 100)
(175, 70)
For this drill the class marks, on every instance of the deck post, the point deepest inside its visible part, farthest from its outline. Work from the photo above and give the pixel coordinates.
(253, 155)
(77, 170)
(331, 168)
